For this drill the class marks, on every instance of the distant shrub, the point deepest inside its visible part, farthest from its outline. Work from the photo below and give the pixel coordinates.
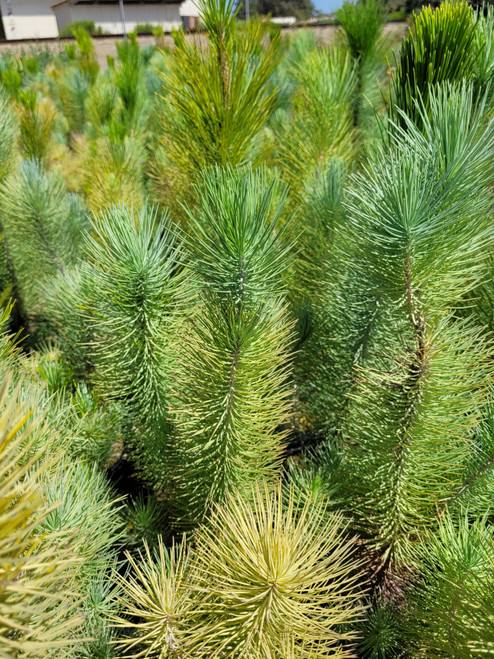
(145, 28)
(400, 15)
(89, 26)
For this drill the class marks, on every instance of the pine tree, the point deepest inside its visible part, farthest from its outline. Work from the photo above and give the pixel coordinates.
(362, 24)
(40, 221)
(442, 48)
(451, 605)
(415, 402)
(133, 270)
(38, 608)
(217, 100)
(232, 393)
(286, 571)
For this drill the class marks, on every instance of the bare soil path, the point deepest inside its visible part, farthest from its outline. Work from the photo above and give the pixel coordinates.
(106, 45)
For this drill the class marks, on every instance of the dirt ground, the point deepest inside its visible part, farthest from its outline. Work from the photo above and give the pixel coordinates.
(106, 45)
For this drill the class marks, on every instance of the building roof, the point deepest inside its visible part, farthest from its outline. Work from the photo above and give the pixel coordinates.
(115, 2)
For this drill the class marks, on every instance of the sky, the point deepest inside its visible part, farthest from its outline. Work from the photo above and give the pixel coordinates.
(327, 6)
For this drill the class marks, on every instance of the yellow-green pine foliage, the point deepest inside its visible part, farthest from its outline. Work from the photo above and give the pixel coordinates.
(270, 578)
(37, 116)
(271, 574)
(111, 171)
(156, 603)
(216, 99)
(36, 569)
(315, 146)
(320, 125)
(231, 399)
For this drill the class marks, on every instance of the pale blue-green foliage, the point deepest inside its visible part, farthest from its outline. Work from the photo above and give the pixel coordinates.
(452, 603)
(84, 498)
(134, 263)
(419, 211)
(98, 604)
(65, 297)
(457, 126)
(88, 511)
(39, 221)
(419, 221)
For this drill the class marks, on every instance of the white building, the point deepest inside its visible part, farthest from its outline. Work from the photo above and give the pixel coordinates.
(189, 11)
(27, 19)
(106, 14)
(42, 19)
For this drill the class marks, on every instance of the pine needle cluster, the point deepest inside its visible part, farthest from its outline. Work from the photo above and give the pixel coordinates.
(265, 579)
(230, 422)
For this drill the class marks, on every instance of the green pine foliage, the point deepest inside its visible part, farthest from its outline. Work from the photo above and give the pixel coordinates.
(362, 24)
(414, 404)
(134, 260)
(8, 134)
(408, 427)
(217, 100)
(230, 423)
(484, 66)
(133, 306)
(451, 611)
(130, 82)
(320, 125)
(443, 48)
(273, 333)
(39, 222)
